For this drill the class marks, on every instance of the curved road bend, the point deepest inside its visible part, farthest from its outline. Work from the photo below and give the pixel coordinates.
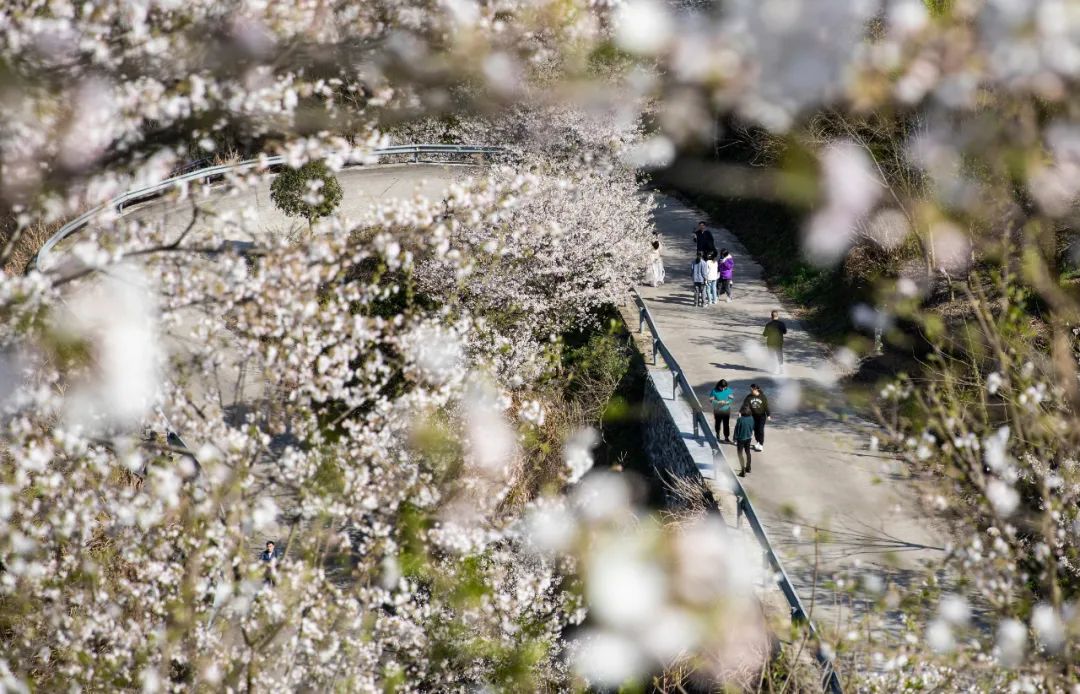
(363, 187)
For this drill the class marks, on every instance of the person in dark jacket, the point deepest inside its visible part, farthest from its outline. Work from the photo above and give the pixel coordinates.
(774, 339)
(271, 553)
(744, 432)
(704, 240)
(758, 405)
(722, 397)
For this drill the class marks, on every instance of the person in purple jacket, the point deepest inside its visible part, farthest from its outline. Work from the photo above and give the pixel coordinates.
(727, 270)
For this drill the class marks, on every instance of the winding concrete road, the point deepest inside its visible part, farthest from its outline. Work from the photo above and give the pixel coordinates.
(249, 216)
(833, 508)
(363, 188)
(233, 385)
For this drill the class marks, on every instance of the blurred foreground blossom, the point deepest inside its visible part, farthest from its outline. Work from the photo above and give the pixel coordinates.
(955, 610)
(438, 353)
(603, 496)
(940, 637)
(550, 527)
(790, 396)
(626, 587)
(758, 355)
(1003, 497)
(578, 453)
(642, 26)
(1048, 626)
(655, 152)
(117, 322)
(851, 189)
(1011, 642)
(608, 659)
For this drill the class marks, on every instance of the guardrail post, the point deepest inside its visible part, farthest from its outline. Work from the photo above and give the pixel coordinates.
(697, 424)
(674, 383)
(655, 348)
(832, 680)
(641, 321)
(739, 513)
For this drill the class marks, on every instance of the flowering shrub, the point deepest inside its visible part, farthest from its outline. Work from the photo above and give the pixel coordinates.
(364, 400)
(940, 138)
(310, 191)
(338, 398)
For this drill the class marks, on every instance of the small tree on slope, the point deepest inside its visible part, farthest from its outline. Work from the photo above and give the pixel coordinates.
(311, 191)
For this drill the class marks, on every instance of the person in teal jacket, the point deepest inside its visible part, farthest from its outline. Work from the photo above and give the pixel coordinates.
(744, 435)
(722, 397)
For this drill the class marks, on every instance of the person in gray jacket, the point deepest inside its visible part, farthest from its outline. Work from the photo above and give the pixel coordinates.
(700, 272)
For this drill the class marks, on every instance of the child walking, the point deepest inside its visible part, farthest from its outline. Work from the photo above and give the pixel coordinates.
(699, 272)
(744, 435)
(722, 396)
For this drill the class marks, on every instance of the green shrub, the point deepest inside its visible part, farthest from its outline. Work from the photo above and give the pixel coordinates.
(299, 193)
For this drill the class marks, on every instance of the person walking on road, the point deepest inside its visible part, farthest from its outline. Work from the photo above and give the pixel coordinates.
(654, 268)
(726, 271)
(758, 406)
(744, 432)
(774, 339)
(712, 274)
(722, 397)
(703, 240)
(699, 271)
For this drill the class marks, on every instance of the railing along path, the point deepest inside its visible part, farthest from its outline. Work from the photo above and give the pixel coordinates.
(41, 261)
(744, 509)
(701, 425)
(185, 175)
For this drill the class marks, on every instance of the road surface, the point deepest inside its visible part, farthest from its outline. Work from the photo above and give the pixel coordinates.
(833, 508)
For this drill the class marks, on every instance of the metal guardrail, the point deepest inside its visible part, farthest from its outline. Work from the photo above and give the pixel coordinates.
(206, 174)
(830, 679)
(185, 175)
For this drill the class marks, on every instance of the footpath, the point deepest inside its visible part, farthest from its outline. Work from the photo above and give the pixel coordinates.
(837, 512)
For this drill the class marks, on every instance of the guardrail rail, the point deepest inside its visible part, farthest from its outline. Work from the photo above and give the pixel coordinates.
(213, 172)
(830, 678)
(184, 175)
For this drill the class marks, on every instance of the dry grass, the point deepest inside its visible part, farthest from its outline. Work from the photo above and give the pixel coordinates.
(691, 498)
(19, 246)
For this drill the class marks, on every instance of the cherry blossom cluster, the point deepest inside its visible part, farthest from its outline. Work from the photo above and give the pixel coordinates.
(351, 398)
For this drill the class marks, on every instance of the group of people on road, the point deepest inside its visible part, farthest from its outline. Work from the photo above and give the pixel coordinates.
(749, 427)
(711, 271)
(708, 272)
(710, 268)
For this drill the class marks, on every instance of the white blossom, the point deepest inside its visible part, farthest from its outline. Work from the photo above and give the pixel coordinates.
(1003, 497)
(578, 453)
(1011, 642)
(1048, 627)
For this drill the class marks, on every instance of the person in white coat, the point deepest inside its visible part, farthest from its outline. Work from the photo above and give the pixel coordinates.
(654, 267)
(712, 273)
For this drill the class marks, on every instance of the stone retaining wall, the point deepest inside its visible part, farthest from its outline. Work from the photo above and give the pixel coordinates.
(667, 446)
